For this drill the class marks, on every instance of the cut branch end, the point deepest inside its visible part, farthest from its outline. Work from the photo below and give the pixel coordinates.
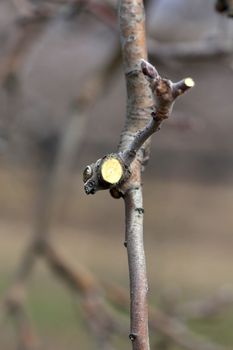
(189, 82)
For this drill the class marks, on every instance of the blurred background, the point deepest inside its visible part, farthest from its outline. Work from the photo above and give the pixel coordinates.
(62, 106)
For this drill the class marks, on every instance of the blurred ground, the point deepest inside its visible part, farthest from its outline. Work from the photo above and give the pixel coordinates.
(188, 244)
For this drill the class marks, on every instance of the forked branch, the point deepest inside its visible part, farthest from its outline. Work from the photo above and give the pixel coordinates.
(165, 93)
(114, 170)
(150, 101)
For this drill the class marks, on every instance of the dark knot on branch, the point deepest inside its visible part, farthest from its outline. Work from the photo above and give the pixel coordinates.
(132, 336)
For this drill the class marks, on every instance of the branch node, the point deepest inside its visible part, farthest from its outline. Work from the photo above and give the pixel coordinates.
(115, 193)
(132, 336)
(140, 210)
(156, 119)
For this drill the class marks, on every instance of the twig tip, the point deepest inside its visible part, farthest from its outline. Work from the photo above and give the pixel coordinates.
(189, 82)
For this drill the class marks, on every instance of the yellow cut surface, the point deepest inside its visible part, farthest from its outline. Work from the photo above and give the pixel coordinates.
(111, 170)
(189, 82)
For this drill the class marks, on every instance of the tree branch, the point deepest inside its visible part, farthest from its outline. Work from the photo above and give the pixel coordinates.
(170, 328)
(121, 172)
(137, 269)
(165, 93)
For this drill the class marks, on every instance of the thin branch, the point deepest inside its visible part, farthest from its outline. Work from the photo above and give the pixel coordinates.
(102, 175)
(165, 93)
(121, 172)
(139, 98)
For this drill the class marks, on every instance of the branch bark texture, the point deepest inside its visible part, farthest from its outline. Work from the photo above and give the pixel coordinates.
(142, 95)
(139, 97)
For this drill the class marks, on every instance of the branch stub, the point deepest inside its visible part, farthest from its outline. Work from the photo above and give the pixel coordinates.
(111, 170)
(189, 82)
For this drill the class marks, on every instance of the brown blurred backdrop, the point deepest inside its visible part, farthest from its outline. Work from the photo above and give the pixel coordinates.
(188, 184)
